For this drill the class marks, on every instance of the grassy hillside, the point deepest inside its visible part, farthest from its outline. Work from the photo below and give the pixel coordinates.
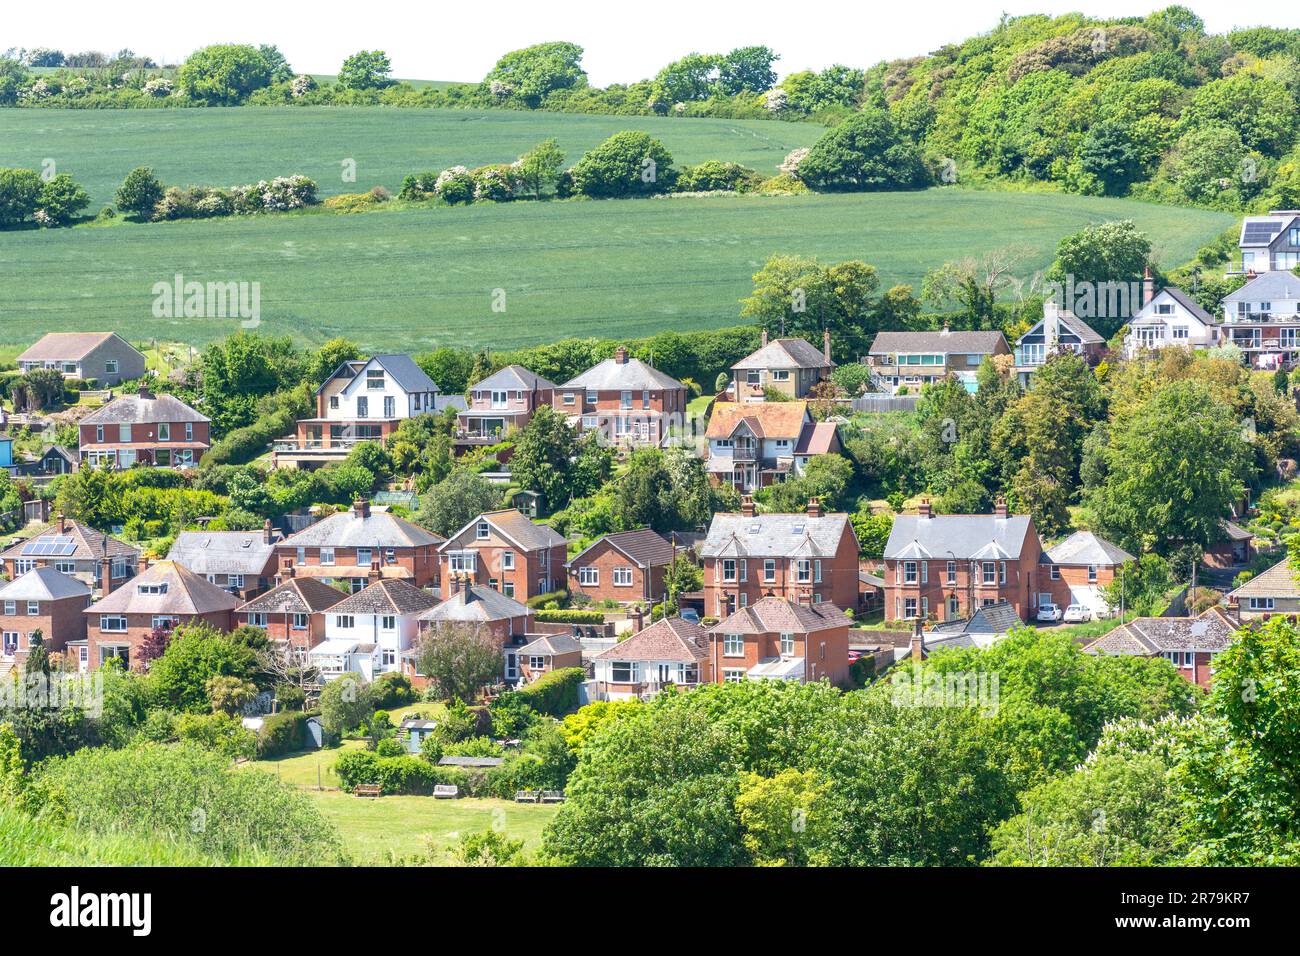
(28, 842)
(222, 147)
(419, 277)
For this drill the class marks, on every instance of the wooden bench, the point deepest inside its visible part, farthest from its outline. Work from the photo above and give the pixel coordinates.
(528, 796)
(446, 791)
(552, 796)
(368, 790)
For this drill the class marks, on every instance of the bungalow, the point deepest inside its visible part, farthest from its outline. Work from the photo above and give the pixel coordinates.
(627, 566)
(670, 651)
(504, 400)
(242, 562)
(628, 401)
(359, 546)
(546, 653)
(1270, 592)
(163, 597)
(102, 357)
(504, 550)
(788, 366)
(1190, 643)
(1079, 567)
(292, 613)
(368, 632)
(75, 549)
(908, 360)
(42, 600)
(501, 619)
(779, 639)
(1058, 329)
(755, 445)
(144, 429)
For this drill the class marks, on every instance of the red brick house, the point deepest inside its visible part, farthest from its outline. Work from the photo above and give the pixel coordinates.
(507, 551)
(360, 546)
(503, 619)
(165, 595)
(670, 651)
(546, 653)
(630, 402)
(808, 557)
(1079, 567)
(627, 566)
(292, 612)
(41, 600)
(945, 567)
(505, 399)
(71, 547)
(144, 429)
(242, 562)
(779, 639)
(1190, 643)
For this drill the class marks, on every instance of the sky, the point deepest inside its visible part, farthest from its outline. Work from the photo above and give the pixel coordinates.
(624, 41)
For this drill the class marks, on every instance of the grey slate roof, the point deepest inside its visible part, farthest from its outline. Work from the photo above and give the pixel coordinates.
(643, 547)
(222, 552)
(785, 353)
(1084, 547)
(518, 527)
(347, 529)
(1068, 320)
(1266, 287)
(1148, 636)
(386, 596)
(86, 544)
(513, 377)
(775, 535)
(552, 644)
(43, 584)
(403, 369)
(610, 375)
(968, 537)
(477, 604)
(132, 409)
(952, 343)
(1190, 304)
(993, 619)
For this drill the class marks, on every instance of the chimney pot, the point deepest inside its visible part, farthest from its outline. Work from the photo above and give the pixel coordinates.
(63, 523)
(144, 392)
(1148, 287)
(1000, 507)
(620, 355)
(814, 508)
(266, 531)
(924, 508)
(765, 336)
(747, 506)
(361, 508)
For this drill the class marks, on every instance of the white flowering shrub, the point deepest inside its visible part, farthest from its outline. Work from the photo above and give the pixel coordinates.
(496, 183)
(776, 99)
(158, 86)
(302, 85)
(790, 165)
(501, 90)
(454, 185)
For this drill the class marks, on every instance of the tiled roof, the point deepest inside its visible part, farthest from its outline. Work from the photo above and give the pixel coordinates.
(983, 537)
(386, 597)
(611, 375)
(347, 529)
(949, 342)
(43, 584)
(785, 353)
(137, 410)
(85, 544)
(816, 438)
(222, 552)
(476, 603)
(1084, 547)
(1211, 631)
(513, 377)
(295, 596)
(773, 615)
(186, 594)
(1279, 581)
(774, 535)
(668, 639)
(644, 547)
(765, 419)
(518, 527)
(552, 644)
(71, 346)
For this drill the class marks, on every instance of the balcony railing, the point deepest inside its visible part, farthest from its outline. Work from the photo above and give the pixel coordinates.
(318, 444)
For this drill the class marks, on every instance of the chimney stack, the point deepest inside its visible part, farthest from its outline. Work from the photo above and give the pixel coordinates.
(62, 523)
(918, 640)
(764, 336)
(747, 505)
(1148, 287)
(620, 355)
(826, 344)
(814, 508)
(361, 508)
(144, 392)
(266, 531)
(923, 509)
(1000, 507)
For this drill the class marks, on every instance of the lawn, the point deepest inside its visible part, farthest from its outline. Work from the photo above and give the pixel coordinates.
(224, 147)
(407, 826)
(416, 278)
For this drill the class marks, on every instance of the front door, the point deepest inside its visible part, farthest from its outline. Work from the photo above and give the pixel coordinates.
(665, 673)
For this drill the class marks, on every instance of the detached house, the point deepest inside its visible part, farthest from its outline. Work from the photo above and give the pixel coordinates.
(627, 566)
(103, 357)
(1270, 592)
(546, 653)
(164, 596)
(360, 546)
(1262, 318)
(368, 632)
(789, 366)
(909, 360)
(504, 400)
(1079, 567)
(808, 558)
(1170, 318)
(292, 613)
(144, 429)
(1190, 643)
(758, 444)
(363, 400)
(494, 616)
(506, 551)
(670, 652)
(1058, 329)
(948, 566)
(242, 562)
(41, 600)
(776, 639)
(630, 402)
(1268, 243)
(75, 549)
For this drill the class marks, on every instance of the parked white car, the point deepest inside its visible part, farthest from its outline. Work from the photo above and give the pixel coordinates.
(1049, 612)
(1077, 614)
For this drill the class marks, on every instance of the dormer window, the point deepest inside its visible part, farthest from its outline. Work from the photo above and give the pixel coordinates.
(159, 588)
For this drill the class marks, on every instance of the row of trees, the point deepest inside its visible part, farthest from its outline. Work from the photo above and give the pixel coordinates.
(47, 200)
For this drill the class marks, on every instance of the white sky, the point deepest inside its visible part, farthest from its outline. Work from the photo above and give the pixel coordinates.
(460, 41)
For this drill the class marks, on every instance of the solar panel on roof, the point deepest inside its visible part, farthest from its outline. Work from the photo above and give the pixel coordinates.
(57, 546)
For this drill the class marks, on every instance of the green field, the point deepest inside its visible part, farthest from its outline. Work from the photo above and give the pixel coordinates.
(224, 147)
(415, 278)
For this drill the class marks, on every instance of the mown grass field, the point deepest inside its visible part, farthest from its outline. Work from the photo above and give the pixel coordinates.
(224, 147)
(411, 279)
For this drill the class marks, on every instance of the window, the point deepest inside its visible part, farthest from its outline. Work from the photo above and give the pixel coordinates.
(1179, 332)
(733, 676)
(112, 623)
(909, 607)
(365, 557)
(156, 588)
(588, 577)
(769, 569)
(645, 399)
(388, 657)
(25, 564)
(164, 431)
(235, 581)
(780, 375)
(33, 608)
(622, 577)
(787, 645)
(10, 643)
(463, 561)
(11, 608)
(909, 572)
(728, 569)
(375, 379)
(300, 622)
(1056, 573)
(507, 560)
(189, 431)
(568, 398)
(733, 645)
(124, 433)
(990, 572)
(163, 622)
(950, 574)
(344, 621)
(390, 406)
(482, 531)
(388, 622)
(257, 620)
(110, 367)
(327, 556)
(622, 672)
(1261, 604)
(334, 401)
(508, 589)
(1092, 573)
(301, 556)
(65, 567)
(1179, 658)
(99, 433)
(363, 407)
(803, 570)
